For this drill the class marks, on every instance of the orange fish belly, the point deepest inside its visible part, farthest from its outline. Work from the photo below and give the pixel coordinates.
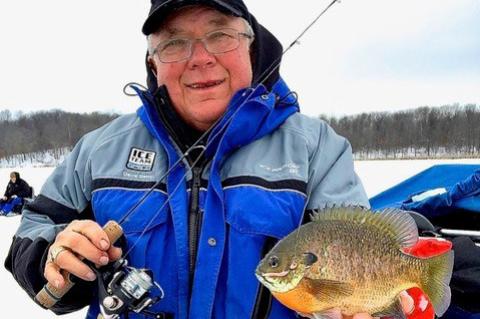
(299, 299)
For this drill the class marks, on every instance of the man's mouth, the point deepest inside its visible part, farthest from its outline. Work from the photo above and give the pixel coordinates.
(205, 85)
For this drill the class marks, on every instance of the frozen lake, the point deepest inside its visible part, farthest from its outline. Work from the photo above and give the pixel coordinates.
(376, 176)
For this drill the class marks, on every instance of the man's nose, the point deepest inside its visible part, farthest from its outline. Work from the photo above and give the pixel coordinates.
(200, 56)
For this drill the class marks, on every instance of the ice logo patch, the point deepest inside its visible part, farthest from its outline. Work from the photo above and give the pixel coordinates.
(141, 160)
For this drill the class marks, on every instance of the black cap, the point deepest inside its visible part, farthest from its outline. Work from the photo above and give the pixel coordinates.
(161, 8)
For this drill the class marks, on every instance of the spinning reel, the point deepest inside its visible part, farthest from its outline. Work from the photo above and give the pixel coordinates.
(123, 289)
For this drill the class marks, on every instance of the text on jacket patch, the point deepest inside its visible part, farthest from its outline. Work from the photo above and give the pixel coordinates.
(140, 160)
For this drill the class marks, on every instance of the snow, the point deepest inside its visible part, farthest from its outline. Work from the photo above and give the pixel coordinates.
(376, 176)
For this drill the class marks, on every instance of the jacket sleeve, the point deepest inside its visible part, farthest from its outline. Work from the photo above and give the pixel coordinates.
(65, 196)
(23, 189)
(332, 178)
(8, 190)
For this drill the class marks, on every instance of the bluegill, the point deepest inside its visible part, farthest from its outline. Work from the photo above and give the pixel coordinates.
(351, 258)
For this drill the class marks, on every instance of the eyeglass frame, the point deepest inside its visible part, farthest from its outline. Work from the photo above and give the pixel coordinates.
(191, 41)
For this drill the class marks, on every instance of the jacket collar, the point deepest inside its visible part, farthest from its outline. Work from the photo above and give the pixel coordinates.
(252, 113)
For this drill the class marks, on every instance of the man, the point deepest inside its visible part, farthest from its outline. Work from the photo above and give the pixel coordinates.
(17, 190)
(257, 166)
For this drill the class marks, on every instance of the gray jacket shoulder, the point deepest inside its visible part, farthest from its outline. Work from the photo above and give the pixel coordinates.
(121, 126)
(330, 170)
(315, 131)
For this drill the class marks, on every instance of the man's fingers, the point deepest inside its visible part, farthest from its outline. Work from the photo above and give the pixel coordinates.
(81, 239)
(68, 261)
(53, 276)
(408, 305)
(114, 253)
(83, 247)
(92, 231)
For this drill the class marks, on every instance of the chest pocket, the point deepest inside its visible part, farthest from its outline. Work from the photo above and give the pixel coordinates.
(253, 215)
(114, 204)
(257, 211)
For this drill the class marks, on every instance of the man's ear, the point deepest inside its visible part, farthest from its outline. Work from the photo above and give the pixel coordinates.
(152, 66)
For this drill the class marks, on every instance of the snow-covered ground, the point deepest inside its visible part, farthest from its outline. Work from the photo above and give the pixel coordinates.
(376, 176)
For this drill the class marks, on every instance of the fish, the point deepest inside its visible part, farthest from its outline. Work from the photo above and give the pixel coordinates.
(352, 259)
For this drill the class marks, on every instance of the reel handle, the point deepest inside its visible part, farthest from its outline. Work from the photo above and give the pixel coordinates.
(49, 295)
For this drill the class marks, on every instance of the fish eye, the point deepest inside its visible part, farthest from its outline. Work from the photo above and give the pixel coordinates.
(309, 259)
(274, 261)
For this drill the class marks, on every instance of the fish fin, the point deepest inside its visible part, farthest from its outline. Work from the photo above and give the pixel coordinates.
(436, 282)
(393, 311)
(327, 314)
(328, 290)
(392, 221)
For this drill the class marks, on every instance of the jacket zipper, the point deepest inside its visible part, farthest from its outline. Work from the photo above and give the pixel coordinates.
(194, 218)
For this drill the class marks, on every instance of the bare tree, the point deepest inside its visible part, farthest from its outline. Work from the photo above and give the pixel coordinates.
(447, 131)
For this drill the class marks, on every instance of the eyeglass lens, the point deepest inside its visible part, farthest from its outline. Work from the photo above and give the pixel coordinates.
(215, 42)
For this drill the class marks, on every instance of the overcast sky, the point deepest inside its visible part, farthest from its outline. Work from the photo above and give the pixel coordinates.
(362, 56)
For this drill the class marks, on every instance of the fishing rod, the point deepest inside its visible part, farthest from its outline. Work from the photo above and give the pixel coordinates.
(123, 299)
(263, 77)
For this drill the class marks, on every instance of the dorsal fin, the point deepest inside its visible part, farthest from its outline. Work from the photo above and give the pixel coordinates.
(392, 221)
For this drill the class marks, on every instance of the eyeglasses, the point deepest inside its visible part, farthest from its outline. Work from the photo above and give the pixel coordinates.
(215, 42)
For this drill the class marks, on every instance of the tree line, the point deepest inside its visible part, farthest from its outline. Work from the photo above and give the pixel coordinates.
(38, 132)
(427, 132)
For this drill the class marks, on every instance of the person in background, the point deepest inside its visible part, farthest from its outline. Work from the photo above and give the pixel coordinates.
(254, 170)
(17, 190)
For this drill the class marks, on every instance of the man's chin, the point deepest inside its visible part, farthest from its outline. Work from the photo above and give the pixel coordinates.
(208, 118)
(211, 105)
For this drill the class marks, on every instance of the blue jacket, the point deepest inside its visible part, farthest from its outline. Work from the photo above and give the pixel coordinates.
(267, 165)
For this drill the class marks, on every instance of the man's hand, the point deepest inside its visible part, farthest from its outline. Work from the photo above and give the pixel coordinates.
(405, 299)
(81, 239)
(4, 198)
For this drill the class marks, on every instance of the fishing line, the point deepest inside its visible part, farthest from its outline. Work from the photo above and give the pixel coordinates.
(45, 297)
(184, 155)
(297, 230)
(273, 66)
(158, 212)
(276, 64)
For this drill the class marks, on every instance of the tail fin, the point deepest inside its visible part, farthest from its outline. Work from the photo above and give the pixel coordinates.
(436, 281)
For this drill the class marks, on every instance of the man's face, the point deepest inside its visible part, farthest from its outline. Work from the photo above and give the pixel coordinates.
(13, 178)
(202, 86)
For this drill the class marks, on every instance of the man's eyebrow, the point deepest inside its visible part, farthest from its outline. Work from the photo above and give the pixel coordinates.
(219, 21)
(172, 31)
(216, 22)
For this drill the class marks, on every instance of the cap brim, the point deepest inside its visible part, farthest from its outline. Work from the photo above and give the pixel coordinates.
(157, 15)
